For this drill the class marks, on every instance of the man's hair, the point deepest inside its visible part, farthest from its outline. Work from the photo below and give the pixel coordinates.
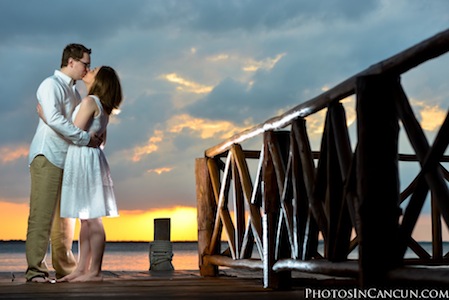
(75, 51)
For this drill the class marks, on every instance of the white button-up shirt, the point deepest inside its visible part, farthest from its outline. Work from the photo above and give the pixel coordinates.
(58, 98)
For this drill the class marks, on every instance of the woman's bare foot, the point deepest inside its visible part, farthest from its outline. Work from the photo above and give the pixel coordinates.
(88, 277)
(75, 274)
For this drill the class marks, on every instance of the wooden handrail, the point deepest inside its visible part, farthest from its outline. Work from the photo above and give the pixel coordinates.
(397, 64)
(299, 194)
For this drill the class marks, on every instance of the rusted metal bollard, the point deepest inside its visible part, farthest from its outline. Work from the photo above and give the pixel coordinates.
(161, 250)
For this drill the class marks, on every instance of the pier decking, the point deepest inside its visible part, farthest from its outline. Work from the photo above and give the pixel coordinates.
(189, 284)
(153, 285)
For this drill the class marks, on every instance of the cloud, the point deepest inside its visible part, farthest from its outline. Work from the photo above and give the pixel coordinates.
(185, 85)
(86, 21)
(255, 16)
(266, 64)
(159, 171)
(150, 147)
(9, 154)
(203, 127)
(431, 116)
(196, 72)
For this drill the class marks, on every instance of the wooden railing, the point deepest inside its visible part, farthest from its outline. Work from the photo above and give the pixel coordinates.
(337, 197)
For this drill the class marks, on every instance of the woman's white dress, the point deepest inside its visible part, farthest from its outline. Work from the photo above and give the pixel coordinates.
(87, 189)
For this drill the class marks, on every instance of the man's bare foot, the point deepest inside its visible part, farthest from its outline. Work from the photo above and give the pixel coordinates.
(71, 276)
(88, 277)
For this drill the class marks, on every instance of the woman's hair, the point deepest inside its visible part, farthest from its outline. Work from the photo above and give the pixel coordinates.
(107, 87)
(75, 51)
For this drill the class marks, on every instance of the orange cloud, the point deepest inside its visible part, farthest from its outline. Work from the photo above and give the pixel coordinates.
(186, 85)
(266, 64)
(150, 147)
(206, 128)
(432, 116)
(218, 57)
(9, 154)
(159, 171)
(176, 124)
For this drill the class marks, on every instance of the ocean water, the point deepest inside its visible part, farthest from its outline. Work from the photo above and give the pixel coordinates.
(119, 256)
(134, 256)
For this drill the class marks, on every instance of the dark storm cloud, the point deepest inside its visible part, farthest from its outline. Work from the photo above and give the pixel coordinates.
(95, 19)
(322, 43)
(138, 121)
(222, 102)
(101, 18)
(250, 15)
(337, 49)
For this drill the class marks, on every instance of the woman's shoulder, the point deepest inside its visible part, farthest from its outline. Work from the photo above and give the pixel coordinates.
(91, 103)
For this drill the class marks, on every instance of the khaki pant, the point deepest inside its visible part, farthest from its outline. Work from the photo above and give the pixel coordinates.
(45, 224)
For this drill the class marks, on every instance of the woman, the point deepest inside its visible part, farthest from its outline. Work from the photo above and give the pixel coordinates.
(87, 191)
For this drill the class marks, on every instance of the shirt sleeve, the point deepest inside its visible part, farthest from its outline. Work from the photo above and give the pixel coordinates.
(51, 98)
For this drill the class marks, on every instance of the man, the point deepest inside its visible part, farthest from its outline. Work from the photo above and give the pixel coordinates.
(57, 98)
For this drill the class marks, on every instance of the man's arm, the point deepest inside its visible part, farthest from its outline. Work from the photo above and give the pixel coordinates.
(95, 141)
(50, 96)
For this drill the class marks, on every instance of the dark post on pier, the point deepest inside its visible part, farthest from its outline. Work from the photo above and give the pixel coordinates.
(298, 209)
(161, 250)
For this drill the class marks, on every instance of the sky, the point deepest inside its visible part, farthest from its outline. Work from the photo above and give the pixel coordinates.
(193, 73)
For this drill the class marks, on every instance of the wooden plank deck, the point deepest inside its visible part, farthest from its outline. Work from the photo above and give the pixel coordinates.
(188, 284)
(148, 285)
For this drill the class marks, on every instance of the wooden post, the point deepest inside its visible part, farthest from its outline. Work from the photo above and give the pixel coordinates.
(334, 195)
(311, 212)
(207, 209)
(270, 202)
(437, 237)
(161, 250)
(273, 167)
(377, 178)
(162, 229)
(339, 216)
(239, 209)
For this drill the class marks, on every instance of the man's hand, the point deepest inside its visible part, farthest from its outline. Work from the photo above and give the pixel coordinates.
(40, 112)
(95, 141)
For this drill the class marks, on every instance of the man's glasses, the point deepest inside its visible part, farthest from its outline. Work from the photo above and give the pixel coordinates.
(86, 65)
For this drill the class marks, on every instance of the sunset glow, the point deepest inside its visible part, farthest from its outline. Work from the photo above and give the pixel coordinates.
(129, 226)
(139, 225)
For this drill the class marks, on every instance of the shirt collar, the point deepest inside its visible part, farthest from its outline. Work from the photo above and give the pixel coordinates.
(67, 79)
